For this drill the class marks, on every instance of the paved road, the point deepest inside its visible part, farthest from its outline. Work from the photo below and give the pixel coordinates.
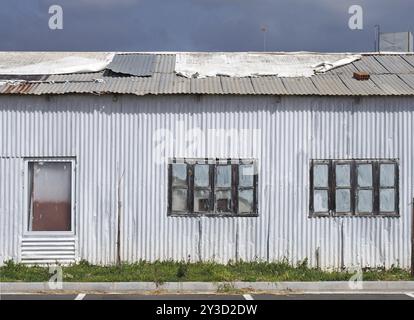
(359, 296)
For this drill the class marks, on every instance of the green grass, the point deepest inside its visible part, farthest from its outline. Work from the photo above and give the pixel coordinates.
(160, 272)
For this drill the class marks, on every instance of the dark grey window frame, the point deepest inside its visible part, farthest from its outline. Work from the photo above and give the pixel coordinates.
(352, 189)
(234, 188)
(332, 187)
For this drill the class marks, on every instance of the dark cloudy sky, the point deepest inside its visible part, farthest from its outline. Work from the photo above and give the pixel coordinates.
(198, 25)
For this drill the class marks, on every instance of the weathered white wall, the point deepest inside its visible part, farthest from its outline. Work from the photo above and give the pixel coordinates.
(113, 138)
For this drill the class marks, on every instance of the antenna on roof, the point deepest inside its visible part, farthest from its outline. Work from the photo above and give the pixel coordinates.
(264, 30)
(377, 28)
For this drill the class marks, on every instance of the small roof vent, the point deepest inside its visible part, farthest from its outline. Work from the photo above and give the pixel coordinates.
(361, 75)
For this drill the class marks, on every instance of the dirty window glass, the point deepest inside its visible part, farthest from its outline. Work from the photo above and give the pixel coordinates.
(246, 173)
(387, 200)
(387, 175)
(359, 187)
(201, 175)
(201, 200)
(320, 175)
(50, 188)
(343, 175)
(364, 175)
(223, 201)
(364, 201)
(212, 186)
(321, 200)
(387, 192)
(179, 174)
(343, 200)
(223, 178)
(179, 200)
(245, 201)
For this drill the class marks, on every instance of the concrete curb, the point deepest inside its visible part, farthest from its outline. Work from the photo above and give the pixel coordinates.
(209, 287)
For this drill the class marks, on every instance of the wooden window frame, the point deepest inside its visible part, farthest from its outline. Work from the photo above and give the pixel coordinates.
(358, 188)
(313, 188)
(351, 187)
(376, 163)
(395, 187)
(234, 188)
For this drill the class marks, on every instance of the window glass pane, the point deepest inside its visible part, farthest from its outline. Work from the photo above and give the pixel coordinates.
(364, 203)
(343, 175)
(246, 174)
(201, 175)
(201, 201)
(387, 173)
(223, 201)
(246, 201)
(343, 200)
(223, 179)
(320, 201)
(364, 175)
(387, 200)
(320, 175)
(179, 200)
(179, 174)
(50, 198)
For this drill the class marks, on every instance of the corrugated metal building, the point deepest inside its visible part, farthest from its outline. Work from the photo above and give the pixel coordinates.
(91, 165)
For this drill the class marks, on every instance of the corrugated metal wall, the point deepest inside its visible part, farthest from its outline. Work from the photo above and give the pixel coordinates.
(113, 140)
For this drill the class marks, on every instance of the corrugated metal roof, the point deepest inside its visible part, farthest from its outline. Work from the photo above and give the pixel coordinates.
(210, 85)
(361, 88)
(371, 65)
(300, 86)
(409, 58)
(269, 85)
(164, 63)
(408, 79)
(237, 85)
(329, 85)
(395, 64)
(391, 84)
(140, 65)
(349, 68)
(143, 74)
(90, 76)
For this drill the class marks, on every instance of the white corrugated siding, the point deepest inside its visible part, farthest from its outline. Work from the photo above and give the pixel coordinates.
(113, 138)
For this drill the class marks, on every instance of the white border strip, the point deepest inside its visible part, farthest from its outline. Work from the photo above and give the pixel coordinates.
(80, 296)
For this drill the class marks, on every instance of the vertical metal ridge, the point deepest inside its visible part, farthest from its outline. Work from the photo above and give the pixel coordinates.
(111, 136)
